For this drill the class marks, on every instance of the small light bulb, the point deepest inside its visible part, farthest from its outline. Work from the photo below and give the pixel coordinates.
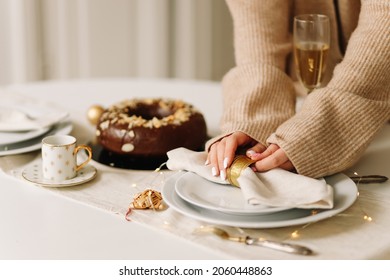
(295, 234)
(367, 218)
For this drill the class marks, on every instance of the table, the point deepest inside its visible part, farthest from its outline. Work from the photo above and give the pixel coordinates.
(41, 223)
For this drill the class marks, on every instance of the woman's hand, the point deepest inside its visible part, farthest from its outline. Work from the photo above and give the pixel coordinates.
(271, 158)
(221, 153)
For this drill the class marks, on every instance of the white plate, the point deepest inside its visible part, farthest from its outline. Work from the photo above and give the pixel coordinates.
(345, 192)
(35, 143)
(18, 136)
(34, 174)
(21, 113)
(225, 198)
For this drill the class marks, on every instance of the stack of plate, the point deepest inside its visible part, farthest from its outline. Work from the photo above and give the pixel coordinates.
(24, 122)
(206, 201)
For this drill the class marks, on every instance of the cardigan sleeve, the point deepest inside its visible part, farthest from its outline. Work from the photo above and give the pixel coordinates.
(257, 94)
(336, 123)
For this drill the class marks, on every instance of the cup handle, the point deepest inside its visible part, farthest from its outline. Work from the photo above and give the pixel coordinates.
(89, 151)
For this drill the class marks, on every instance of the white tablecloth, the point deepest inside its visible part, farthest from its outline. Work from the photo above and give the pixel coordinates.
(87, 221)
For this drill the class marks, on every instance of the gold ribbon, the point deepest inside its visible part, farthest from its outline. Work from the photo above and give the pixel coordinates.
(148, 199)
(240, 163)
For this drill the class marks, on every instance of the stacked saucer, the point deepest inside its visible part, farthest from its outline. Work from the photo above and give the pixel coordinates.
(24, 122)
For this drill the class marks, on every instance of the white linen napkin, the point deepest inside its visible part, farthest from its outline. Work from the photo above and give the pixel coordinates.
(277, 187)
(22, 113)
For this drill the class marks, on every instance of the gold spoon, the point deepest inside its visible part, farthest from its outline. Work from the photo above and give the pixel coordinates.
(281, 246)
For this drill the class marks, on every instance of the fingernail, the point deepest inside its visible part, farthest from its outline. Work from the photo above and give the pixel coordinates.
(207, 162)
(253, 155)
(214, 171)
(225, 162)
(222, 174)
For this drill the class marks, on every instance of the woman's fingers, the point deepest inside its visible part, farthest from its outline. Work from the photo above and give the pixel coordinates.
(221, 153)
(273, 157)
(221, 157)
(287, 166)
(212, 159)
(227, 156)
(256, 152)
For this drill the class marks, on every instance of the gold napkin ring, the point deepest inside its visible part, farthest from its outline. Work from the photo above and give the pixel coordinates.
(240, 163)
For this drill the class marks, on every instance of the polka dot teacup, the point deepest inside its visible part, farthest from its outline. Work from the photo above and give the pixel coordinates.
(59, 157)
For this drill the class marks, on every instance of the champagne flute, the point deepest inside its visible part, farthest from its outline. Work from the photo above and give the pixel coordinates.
(311, 47)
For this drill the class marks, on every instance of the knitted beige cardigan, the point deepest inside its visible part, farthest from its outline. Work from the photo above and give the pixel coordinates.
(337, 122)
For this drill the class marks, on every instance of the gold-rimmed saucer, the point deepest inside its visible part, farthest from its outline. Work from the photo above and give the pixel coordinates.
(34, 174)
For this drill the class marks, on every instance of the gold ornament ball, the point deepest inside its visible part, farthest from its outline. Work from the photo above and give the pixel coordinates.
(94, 113)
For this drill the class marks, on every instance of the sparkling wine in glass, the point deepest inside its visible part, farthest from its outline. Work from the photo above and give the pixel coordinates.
(311, 47)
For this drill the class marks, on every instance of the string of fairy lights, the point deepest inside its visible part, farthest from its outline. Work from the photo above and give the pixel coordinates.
(295, 234)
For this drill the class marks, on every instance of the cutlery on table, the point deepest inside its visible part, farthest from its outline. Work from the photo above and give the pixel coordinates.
(248, 240)
(368, 179)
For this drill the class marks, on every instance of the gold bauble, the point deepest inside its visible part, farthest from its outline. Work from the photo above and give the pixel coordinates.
(93, 114)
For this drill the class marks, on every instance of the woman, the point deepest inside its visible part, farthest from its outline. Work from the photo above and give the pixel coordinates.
(336, 122)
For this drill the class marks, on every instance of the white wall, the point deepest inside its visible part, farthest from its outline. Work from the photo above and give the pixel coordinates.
(63, 39)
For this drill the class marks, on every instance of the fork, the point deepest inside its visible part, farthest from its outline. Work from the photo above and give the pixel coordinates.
(248, 240)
